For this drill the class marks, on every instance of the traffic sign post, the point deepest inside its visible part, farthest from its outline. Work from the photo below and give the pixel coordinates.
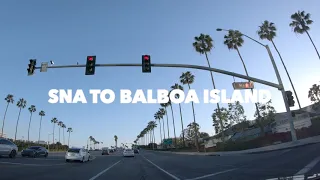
(44, 67)
(243, 85)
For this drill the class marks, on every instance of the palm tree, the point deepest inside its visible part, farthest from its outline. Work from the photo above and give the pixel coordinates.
(31, 109)
(9, 99)
(268, 31)
(41, 114)
(178, 86)
(158, 117)
(188, 78)
(161, 113)
(21, 104)
(300, 22)
(174, 126)
(203, 44)
(69, 131)
(63, 126)
(60, 124)
(233, 41)
(116, 139)
(54, 121)
(165, 105)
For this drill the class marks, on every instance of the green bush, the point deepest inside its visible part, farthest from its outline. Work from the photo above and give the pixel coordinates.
(52, 147)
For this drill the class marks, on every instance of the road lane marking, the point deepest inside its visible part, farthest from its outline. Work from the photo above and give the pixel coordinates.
(309, 166)
(210, 175)
(23, 164)
(99, 174)
(174, 177)
(285, 151)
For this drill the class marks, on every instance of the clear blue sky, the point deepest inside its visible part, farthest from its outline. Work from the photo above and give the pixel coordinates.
(120, 32)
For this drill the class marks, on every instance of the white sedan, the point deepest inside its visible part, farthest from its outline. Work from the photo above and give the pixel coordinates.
(128, 153)
(77, 154)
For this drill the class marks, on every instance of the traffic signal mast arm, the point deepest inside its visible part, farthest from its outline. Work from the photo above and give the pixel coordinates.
(181, 66)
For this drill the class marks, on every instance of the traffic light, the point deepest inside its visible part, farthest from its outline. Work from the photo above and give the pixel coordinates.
(146, 64)
(91, 65)
(290, 98)
(32, 67)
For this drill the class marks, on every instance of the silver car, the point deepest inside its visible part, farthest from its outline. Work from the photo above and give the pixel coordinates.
(8, 148)
(77, 154)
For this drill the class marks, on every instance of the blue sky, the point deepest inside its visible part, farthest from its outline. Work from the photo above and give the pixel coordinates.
(120, 32)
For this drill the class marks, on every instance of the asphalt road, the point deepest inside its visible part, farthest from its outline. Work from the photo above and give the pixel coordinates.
(165, 166)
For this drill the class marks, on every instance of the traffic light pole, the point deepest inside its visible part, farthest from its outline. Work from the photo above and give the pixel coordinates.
(179, 66)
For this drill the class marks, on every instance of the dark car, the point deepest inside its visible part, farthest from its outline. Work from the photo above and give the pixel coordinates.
(34, 151)
(136, 151)
(105, 152)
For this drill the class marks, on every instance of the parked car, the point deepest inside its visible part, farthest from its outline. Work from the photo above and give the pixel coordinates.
(77, 154)
(8, 148)
(35, 151)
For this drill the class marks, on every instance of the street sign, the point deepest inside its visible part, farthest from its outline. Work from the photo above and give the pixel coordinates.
(44, 67)
(167, 141)
(243, 85)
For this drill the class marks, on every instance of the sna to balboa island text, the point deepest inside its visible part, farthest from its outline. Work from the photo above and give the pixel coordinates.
(108, 96)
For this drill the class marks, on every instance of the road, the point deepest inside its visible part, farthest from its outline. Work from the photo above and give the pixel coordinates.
(165, 166)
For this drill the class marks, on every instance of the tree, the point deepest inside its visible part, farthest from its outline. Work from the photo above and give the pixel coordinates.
(162, 112)
(178, 86)
(70, 130)
(165, 112)
(21, 104)
(188, 78)
(9, 99)
(31, 109)
(314, 94)
(41, 114)
(60, 124)
(204, 44)
(204, 135)
(300, 22)
(192, 131)
(219, 116)
(54, 121)
(268, 31)
(63, 126)
(116, 140)
(267, 115)
(157, 116)
(236, 114)
(174, 126)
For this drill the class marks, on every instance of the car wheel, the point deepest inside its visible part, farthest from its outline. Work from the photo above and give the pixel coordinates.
(88, 158)
(13, 154)
(82, 160)
(67, 160)
(46, 155)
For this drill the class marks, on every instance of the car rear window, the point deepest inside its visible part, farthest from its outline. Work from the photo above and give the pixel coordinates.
(74, 150)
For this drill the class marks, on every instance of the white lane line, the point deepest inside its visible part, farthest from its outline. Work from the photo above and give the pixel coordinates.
(285, 151)
(99, 174)
(31, 164)
(309, 166)
(210, 175)
(174, 177)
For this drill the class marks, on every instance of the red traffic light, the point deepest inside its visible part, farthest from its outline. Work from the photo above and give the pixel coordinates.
(146, 57)
(90, 58)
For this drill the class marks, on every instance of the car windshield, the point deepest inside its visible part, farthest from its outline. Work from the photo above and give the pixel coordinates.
(74, 150)
(35, 148)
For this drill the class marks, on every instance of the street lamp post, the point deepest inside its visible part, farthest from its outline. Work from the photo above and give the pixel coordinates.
(281, 88)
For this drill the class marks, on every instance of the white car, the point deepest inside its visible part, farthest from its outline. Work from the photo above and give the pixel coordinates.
(8, 148)
(77, 154)
(128, 153)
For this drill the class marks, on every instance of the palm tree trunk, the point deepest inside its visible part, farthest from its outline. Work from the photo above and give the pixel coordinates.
(63, 136)
(59, 134)
(285, 68)
(167, 123)
(4, 118)
(182, 125)
(164, 131)
(160, 132)
(313, 44)
(194, 120)
(174, 127)
(29, 126)
(218, 106)
(154, 138)
(53, 133)
(69, 139)
(40, 129)
(257, 108)
(15, 136)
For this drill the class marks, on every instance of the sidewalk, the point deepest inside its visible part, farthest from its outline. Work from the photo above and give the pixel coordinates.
(287, 145)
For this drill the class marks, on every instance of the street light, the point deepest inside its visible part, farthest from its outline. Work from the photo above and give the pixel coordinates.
(289, 115)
